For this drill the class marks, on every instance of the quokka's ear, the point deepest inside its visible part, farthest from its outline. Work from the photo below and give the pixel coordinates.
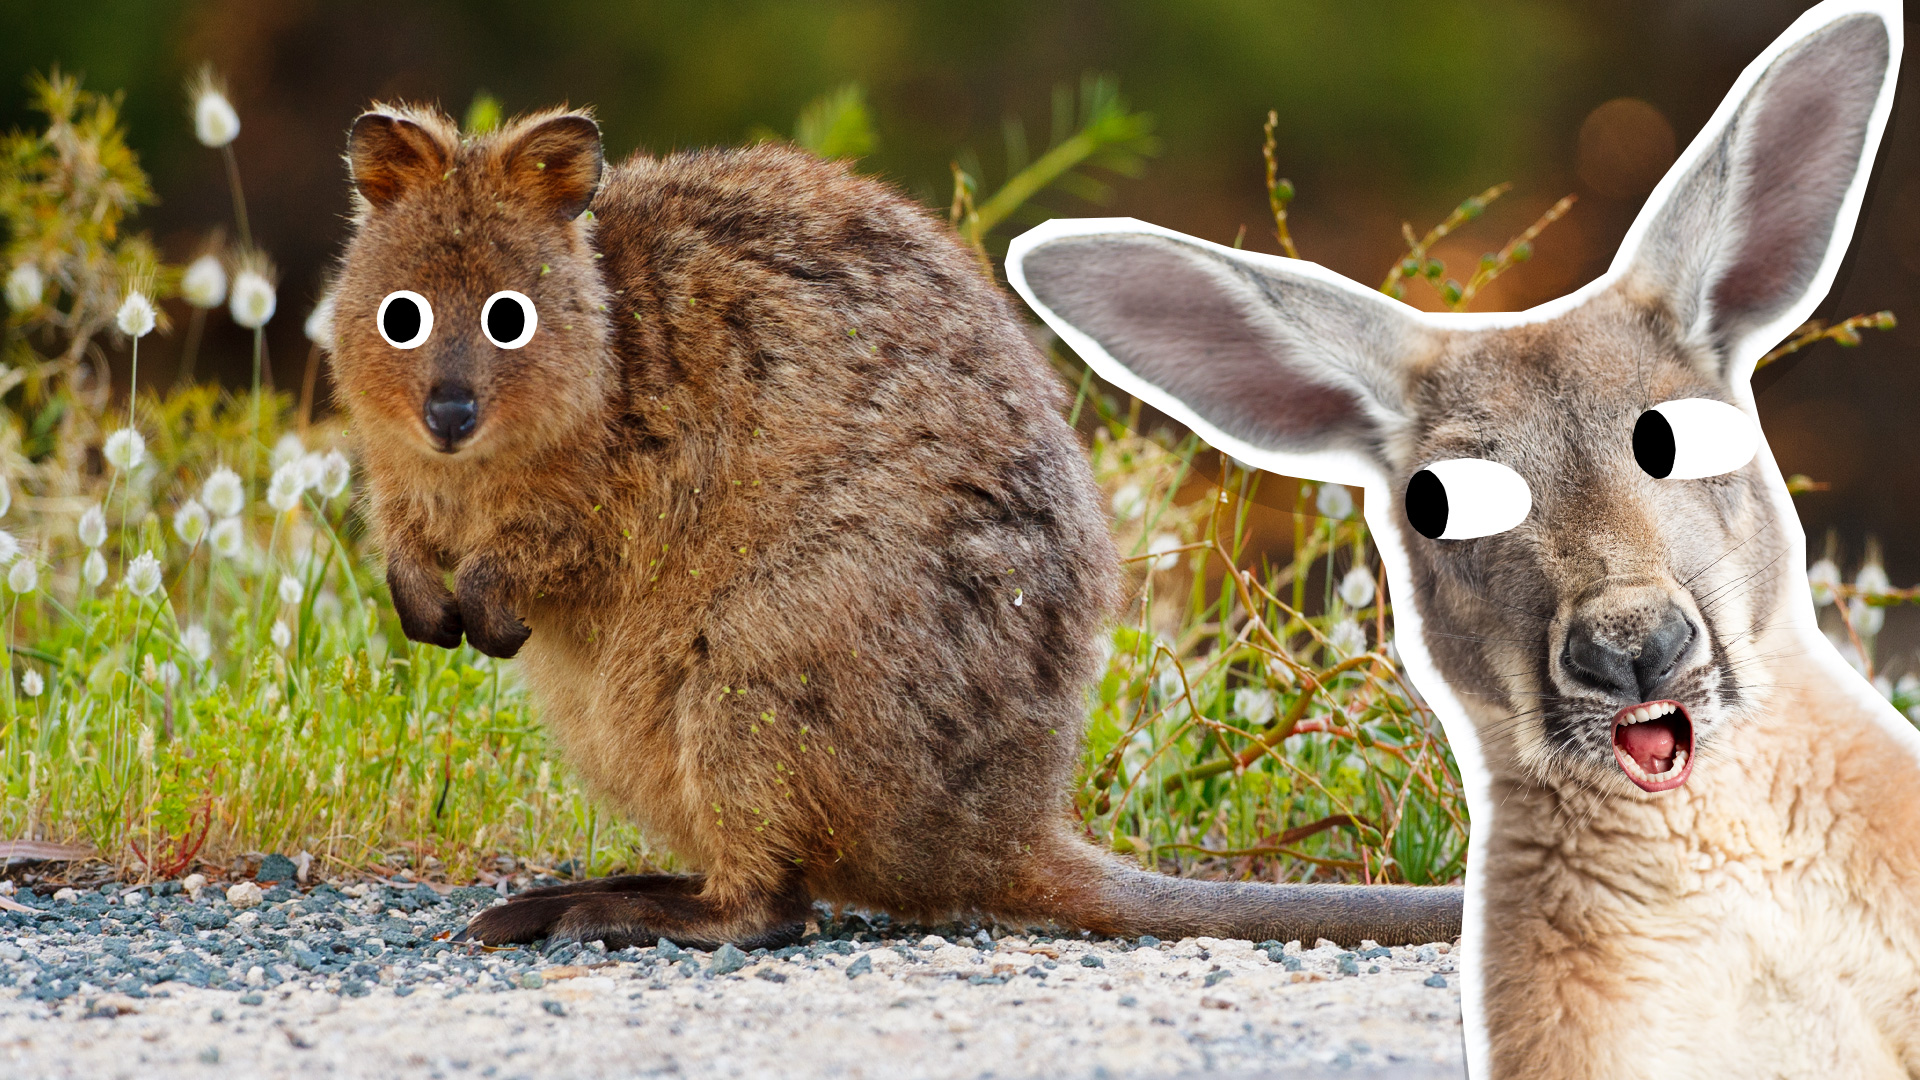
(1281, 363)
(1743, 238)
(555, 161)
(391, 154)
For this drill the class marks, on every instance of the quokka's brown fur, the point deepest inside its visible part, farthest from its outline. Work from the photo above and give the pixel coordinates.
(808, 569)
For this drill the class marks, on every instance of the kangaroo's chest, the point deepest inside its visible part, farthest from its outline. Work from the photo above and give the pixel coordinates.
(1749, 944)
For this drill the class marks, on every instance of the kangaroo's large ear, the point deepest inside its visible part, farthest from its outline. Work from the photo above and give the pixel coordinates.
(555, 161)
(1281, 363)
(1744, 236)
(393, 151)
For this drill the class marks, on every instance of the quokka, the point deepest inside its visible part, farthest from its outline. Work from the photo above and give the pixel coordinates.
(1696, 831)
(764, 482)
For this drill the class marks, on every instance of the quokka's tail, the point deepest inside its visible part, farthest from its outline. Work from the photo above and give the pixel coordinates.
(1093, 891)
(1140, 902)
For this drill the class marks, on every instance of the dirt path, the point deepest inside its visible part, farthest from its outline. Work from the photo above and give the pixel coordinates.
(1147, 1013)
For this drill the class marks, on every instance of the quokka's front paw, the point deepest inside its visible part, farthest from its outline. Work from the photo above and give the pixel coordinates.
(428, 612)
(490, 627)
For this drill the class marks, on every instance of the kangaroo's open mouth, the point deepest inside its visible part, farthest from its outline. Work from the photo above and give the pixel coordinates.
(1653, 742)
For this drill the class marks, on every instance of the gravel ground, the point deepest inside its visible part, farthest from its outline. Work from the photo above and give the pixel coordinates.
(355, 980)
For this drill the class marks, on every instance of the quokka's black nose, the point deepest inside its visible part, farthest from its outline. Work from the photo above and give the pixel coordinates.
(1604, 654)
(451, 414)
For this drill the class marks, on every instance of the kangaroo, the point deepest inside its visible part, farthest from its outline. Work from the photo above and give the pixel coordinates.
(764, 482)
(1696, 831)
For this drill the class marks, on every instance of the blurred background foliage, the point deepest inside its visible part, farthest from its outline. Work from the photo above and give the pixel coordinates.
(1384, 112)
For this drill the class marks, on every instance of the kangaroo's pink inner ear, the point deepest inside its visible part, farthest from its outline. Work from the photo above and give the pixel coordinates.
(557, 163)
(391, 155)
(1743, 238)
(1278, 359)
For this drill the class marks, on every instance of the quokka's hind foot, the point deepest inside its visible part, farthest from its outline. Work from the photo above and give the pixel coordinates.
(640, 909)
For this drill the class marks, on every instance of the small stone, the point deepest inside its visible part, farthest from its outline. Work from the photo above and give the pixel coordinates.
(10, 951)
(1092, 961)
(728, 959)
(554, 1007)
(983, 939)
(245, 894)
(932, 941)
(1426, 954)
(276, 868)
(1345, 965)
(252, 999)
(112, 1005)
(256, 975)
(668, 951)
(211, 1055)
(193, 883)
(218, 1015)
(1214, 977)
(245, 918)
(1438, 982)
(862, 966)
(1148, 941)
(532, 980)
(1128, 1001)
(66, 896)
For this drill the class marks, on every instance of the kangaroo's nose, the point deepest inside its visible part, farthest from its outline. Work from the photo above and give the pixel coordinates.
(1627, 654)
(451, 414)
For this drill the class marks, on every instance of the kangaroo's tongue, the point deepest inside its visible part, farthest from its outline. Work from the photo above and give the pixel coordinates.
(1650, 745)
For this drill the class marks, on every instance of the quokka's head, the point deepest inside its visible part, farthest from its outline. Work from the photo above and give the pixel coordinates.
(469, 321)
(1574, 501)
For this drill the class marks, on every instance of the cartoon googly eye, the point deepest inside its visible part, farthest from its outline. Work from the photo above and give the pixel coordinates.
(1464, 498)
(1691, 438)
(405, 319)
(509, 319)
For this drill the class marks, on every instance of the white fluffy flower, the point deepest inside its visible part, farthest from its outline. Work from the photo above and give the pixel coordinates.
(1129, 502)
(313, 469)
(197, 642)
(282, 635)
(169, 673)
(9, 547)
(335, 474)
(228, 537)
(204, 285)
(191, 522)
(283, 492)
(253, 299)
(135, 317)
(215, 123)
(31, 684)
(24, 286)
(1254, 704)
(223, 493)
(289, 448)
(1823, 576)
(1356, 589)
(1348, 638)
(93, 569)
(125, 449)
(1867, 619)
(1334, 501)
(1163, 549)
(143, 574)
(1872, 578)
(320, 323)
(290, 589)
(24, 577)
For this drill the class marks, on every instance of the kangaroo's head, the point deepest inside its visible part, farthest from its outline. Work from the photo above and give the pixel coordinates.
(1576, 499)
(469, 315)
